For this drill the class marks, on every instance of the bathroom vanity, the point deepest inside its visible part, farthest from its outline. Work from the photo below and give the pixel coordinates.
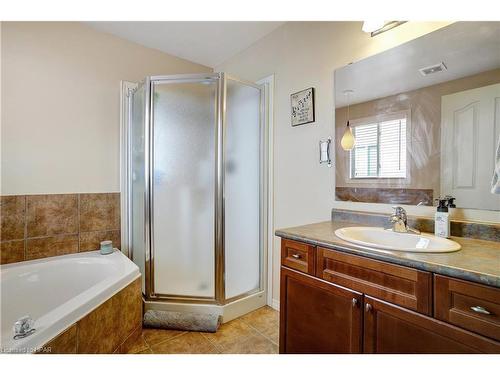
(340, 298)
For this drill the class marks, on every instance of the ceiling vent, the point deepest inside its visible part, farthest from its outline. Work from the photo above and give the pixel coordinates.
(433, 69)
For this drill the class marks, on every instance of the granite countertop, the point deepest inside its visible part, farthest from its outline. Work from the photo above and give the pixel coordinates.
(477, 261)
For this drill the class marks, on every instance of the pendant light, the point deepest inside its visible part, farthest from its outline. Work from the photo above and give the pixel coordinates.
(347, 142)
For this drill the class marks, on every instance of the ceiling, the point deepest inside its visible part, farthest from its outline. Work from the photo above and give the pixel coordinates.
(466, 48)
(206, 43)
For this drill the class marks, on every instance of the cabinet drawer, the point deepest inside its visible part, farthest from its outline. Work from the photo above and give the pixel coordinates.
(298, 255)
(400, 285)
(468, 305)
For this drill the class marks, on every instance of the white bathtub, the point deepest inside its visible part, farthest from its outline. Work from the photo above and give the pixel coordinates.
(57, 292)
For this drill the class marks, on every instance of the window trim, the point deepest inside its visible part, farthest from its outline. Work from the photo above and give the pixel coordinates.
(381, 118)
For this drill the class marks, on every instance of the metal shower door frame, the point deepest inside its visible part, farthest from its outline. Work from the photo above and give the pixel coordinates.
(219, 198)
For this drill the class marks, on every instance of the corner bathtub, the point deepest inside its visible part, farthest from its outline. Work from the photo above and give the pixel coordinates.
(56, 292)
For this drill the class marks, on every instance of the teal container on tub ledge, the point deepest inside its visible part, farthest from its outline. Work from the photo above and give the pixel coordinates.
(106, 247)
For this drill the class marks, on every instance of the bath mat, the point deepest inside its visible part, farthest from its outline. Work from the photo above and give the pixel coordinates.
(182, 321)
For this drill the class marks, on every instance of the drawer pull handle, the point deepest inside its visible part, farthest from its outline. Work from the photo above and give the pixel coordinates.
(296, 256)
(480, 310)
(354, 302)
(368, 307)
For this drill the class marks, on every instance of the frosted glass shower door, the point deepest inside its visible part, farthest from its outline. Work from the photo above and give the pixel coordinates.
(183, 164)
(243, 189)
(137, 179)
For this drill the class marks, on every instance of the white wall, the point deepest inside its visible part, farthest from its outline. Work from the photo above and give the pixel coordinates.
(60, 91)
(1, 60)
(301, 55)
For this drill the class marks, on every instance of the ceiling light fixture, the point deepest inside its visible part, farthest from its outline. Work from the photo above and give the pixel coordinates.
(371, 26)
(379, 27)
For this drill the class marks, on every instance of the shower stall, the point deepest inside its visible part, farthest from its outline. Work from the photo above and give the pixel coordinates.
(197, 192)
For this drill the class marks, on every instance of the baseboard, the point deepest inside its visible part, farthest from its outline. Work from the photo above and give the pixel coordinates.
(275, 304)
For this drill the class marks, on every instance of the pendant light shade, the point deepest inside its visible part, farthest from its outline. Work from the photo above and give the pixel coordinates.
(347, 141)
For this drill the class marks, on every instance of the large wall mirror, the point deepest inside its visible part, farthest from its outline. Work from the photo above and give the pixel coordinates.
(425, 117)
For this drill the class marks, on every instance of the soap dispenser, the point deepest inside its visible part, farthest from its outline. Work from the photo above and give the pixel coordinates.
(451, 201)
(442, 219)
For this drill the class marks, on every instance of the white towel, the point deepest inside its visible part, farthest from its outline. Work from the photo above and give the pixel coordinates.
(495, 181)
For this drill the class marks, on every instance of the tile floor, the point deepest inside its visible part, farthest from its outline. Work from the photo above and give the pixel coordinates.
(254, 333)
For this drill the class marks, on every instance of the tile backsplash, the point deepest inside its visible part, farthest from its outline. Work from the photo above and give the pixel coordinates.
(39, 226)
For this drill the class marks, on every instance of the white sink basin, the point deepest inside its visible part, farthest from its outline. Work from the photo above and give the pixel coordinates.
(380, 238)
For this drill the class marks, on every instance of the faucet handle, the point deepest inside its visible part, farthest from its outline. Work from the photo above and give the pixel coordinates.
(398, 210)
(399, 214)
(394, 219)
(23, 327)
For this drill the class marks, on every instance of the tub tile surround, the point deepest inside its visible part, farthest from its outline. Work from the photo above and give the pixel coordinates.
(113, 327)
(12, 214)
(91, 240)
(39, 226)
(12, 251)
(44, 247)
(99, 212)
(48, 215)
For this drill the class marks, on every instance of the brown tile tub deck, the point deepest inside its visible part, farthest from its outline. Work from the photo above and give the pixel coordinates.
(112, 327)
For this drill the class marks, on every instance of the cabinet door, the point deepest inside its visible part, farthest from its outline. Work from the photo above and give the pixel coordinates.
(317, 316)
(392, 329)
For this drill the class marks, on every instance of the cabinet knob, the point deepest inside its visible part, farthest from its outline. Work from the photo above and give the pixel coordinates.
(296, 256)
(480, 310)
(368, 307)
(354, 302)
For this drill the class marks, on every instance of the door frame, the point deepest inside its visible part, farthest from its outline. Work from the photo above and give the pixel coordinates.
(268, 83)
(126, 87)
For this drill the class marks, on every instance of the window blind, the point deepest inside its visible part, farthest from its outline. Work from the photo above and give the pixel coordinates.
(380, 149)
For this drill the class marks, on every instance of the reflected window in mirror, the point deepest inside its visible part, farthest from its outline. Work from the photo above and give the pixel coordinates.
(380, 149)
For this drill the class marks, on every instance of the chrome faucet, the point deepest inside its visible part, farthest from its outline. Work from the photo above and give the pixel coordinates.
(23, 327)
(399, 221)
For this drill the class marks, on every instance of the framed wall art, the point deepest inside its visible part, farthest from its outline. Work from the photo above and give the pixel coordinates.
(302, 107)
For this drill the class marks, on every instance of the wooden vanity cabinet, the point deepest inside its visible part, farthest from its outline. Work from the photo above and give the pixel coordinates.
(318, 317)
(353, 304)
(391, 329)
